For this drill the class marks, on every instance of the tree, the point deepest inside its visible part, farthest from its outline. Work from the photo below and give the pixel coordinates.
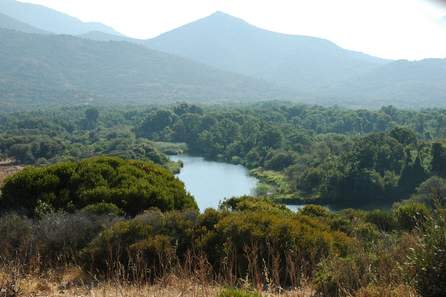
(439, 159)
(132, 186)
(404, 136)
(91, 118)
(432, 191)
(155, 122)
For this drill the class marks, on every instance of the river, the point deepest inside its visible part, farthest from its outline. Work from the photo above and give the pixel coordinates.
(211, 182)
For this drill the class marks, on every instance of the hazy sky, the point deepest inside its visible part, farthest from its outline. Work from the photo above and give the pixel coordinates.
(395, 29)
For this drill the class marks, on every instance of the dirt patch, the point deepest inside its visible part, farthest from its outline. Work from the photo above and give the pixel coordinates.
(7, 168)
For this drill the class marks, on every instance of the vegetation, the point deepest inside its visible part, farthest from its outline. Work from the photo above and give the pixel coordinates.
(115, 217)
(247, 242)
(127, 186)
(80, 71)
(300, 153)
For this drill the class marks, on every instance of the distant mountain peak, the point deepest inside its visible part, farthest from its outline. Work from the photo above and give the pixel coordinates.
(220, 16)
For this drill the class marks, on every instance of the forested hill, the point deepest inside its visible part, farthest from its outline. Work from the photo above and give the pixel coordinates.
(300, 62)
(7, 22)
(49, 20)
(36, 69)
(403, 83)
(329, 74)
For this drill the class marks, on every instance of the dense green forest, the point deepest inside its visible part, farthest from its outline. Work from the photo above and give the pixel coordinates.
(126, 214)
(301, 153)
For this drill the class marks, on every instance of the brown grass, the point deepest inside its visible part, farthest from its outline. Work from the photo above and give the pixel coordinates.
(7, 168)
(72, 282)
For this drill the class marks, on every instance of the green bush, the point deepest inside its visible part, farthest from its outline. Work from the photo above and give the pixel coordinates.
(383, 220)
(410, 215)
(132, 186)
(103, 209)
(153, 240)
(342, 277)
(429, 258)
(315, 211)
(237, 293)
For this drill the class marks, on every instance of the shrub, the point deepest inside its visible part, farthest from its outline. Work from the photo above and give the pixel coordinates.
(410, 215)
(54, 239)
(237, 293)
(429, 258)
(132, 186)
(60, 236)
(339, 277)
(287, 246)
(383, 220)
(315, 211)
(387, 291)
(103, 209)
(152, 240)
(246, 203)
(16, 235)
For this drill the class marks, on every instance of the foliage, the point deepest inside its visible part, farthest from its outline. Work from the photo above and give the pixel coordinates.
(132, 186)
(237, 293)
(410, 215)
(428, 258)
(299, 152)
(103, 209)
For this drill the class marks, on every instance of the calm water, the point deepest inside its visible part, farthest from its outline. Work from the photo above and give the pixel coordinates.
(211, 182)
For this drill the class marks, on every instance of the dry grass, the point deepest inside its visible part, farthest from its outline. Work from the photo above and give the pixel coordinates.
(73, 282)
(8, 168)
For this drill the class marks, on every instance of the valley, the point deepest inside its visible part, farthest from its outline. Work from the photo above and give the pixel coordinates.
(234, 149)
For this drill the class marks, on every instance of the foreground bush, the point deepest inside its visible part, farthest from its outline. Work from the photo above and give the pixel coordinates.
(244, 241)
(132, 186)
(429, 258)
(237, 293)
(54, 239)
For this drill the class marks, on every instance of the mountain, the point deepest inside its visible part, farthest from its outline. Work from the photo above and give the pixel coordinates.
(402, 83)
(300, 62)
(61, 69)
(7, 22)
(50, 20)
(101, 36)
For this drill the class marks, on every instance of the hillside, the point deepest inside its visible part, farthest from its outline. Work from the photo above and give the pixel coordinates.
(402, 83)
(101, 36)
(7, 22)
(37, 69)
(49, 20)
(300, 62)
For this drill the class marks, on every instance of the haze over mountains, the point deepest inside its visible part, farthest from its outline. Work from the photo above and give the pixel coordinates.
(7, 22)
(243, 63)
(50, 20)
(37, 69)
(300, 62)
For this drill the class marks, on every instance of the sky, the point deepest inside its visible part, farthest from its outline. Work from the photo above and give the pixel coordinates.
(394, 29)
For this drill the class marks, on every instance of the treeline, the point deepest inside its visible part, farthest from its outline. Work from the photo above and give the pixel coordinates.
(333, 155)
(301, 153)
(71, 134)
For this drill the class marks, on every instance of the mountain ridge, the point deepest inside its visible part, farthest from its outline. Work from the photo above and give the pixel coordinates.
(294, 61)
(63, 69)
(6, 22)
(47, 19)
